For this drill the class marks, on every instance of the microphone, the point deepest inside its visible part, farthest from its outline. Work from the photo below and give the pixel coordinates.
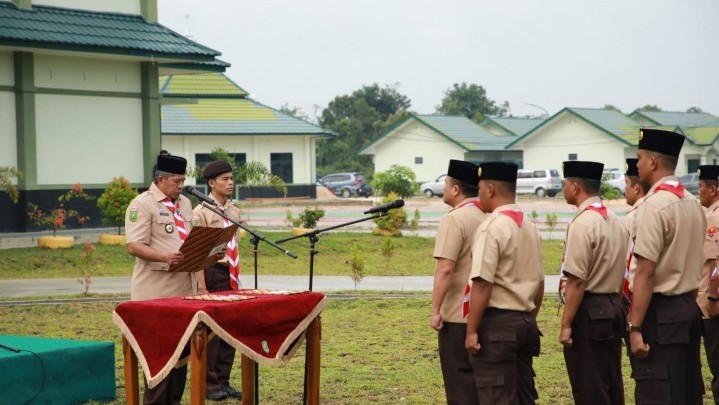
(200, 196)
(8, 348)
(385, 207)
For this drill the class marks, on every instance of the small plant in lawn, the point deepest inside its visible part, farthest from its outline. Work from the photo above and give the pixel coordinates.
(87, 261)
(56, 217)
(388, 246)
(551, 220)
(357, 263)
(390, 224)
(533, 215)
(307, 219)
(114, 201)
(414, 223)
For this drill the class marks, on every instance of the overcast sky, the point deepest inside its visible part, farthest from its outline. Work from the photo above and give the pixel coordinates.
(550, 53)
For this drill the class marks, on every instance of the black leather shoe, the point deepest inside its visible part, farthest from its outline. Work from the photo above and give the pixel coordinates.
(216, 395)
(233, 393)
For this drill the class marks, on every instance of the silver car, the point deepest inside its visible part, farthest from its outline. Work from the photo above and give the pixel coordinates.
(615, 179)
(433, 188)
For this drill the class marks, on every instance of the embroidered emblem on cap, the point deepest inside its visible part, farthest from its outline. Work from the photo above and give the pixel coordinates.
(479, 172)
(699, 172)
(169, 228)
(626, 167)
(641, 134)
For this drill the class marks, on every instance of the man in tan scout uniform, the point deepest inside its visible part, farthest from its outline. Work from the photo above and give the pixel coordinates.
(156, 224)
(709, 198)
(507, 290)
(665, 323)
(222, 276)
(594, 264)
(453, 251)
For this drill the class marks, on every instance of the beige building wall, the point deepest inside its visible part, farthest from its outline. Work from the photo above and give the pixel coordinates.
(257, 148)
(414, 140)
(552, 144)
(8, 138)
(113, 6)
(61, 72)
(88, 139)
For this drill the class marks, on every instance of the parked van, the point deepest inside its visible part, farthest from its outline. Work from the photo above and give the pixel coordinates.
(539, 182)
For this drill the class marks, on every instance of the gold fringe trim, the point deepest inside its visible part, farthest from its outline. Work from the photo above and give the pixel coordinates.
(285, 352)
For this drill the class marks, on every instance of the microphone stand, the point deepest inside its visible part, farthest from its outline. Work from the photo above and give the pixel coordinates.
(314, 238)
(255, 241)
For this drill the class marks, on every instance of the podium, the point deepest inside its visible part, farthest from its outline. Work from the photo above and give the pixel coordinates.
(266, 328)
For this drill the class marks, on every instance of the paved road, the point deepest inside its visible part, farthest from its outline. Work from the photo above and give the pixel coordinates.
(104, 285)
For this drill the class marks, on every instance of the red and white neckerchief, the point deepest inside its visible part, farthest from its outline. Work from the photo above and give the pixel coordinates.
(179, 221)
(673, 186)
(625, 284)
(233, 258)
(516, 215)
(597, 207)
(468, 287)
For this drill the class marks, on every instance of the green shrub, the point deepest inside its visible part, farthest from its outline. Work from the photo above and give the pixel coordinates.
(114, 201)
(393, 221)
(398, 179)
(307, 218)
(608, 192)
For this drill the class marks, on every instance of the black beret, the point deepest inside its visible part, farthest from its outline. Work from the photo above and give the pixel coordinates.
(463, 171)
(215, 169)
(664, 142)
(500, 171)
(582, 169)
(171, 164)
(630, 168)
(708, 172)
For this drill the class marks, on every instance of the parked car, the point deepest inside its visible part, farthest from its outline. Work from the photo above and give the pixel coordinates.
(690, 182)
(433, 188)
(615, 178)
(347, 184)
(539, 182)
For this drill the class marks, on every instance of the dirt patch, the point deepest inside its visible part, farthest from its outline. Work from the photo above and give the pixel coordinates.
(323, 193)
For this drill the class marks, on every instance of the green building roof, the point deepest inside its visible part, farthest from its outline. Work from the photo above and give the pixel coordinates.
(211, 104)
(676, 119)
(65, 29)
(515, 126)
(460, 130)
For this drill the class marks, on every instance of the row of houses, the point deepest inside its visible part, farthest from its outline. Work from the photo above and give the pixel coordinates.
(425, 142)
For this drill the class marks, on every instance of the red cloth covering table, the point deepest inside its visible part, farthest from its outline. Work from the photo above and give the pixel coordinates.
(267, 330)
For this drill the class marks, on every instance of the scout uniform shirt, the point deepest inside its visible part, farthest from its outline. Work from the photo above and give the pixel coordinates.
(670, 233)
(455, 237)
(711, 250)
(205, 217)
(508, 255)
(150, 222)
(596, 248)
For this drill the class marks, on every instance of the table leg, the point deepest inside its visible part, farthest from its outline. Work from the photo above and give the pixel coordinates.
(132, 382)
(248, 381)
(198, 365)
(314, 336)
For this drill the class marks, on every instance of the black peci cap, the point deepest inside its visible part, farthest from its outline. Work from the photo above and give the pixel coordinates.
(708, 172)
(500, 171)
(630, 168)
(664, 142)
(171, 164)
(583, 169)
(463, 171)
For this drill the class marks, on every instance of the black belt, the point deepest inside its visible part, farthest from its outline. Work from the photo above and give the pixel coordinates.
(490, 312)
(222, 265)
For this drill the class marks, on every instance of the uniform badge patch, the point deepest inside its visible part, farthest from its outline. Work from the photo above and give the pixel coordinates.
(711, 232)
(169, 228)
(133, 216)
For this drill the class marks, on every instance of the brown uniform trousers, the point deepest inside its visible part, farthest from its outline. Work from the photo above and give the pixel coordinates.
(672, 329)
(456, 369)
(169, 391)
(711, 345)
(220, 355)
(508, 342)
(595, 358)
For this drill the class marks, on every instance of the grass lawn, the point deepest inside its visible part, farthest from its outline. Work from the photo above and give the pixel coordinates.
(412, 256)
(373, 351)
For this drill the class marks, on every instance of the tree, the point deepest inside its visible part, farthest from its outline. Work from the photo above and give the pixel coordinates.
(650, 107)
(399, 180)
(294, 112)
(357, 119)
(695, 110)
(471, 101)
(611, 107)
(7, 174)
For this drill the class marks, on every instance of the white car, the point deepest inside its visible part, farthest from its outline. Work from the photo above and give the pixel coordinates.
(433, 188)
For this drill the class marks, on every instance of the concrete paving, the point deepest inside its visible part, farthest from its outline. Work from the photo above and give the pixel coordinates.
(325, 284)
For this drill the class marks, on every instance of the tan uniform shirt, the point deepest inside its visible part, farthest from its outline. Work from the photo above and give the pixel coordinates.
(670, 233)
(205, 217)
(455, 237)
(147, 221)
(509, 257)
(711, 251)
(596, 249)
